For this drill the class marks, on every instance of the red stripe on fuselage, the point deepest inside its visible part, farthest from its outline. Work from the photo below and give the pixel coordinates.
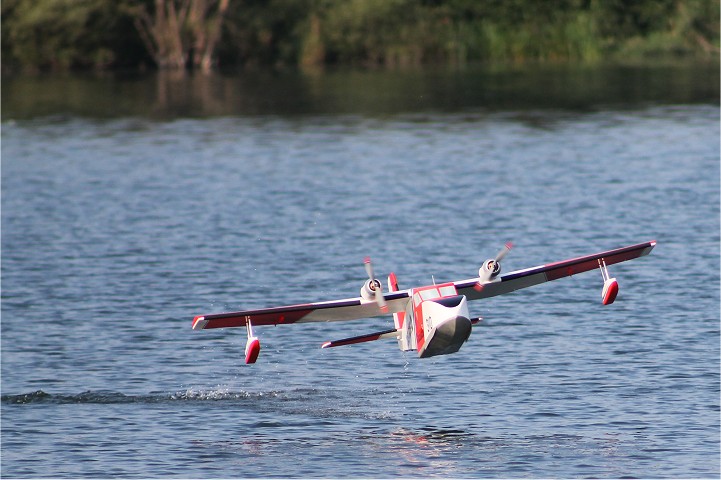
(420, 332)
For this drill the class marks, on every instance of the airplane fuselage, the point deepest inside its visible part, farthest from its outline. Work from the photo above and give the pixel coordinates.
(436, 321)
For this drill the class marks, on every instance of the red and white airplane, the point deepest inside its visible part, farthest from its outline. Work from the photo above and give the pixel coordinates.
(433, 320)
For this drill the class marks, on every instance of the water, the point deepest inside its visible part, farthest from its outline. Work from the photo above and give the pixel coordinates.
(117, 229)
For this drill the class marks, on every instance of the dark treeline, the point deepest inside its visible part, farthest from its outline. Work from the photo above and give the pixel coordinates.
(204, 34)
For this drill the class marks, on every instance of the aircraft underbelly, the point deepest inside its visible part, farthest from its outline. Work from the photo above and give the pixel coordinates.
(447, 337)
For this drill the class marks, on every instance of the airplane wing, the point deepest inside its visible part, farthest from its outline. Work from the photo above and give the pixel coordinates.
(358, 307)
(335, 310)
(553, 271)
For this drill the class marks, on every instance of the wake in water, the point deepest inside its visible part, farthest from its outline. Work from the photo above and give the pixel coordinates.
(324, 404)
(109, 397)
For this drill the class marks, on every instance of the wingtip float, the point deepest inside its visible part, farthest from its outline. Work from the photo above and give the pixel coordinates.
(433, 319)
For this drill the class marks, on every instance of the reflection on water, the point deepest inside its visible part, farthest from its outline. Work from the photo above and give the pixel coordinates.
(432, 435)
(171, 94)
(425, 450)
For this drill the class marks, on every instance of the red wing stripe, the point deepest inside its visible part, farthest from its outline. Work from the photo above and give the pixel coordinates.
(268, 316)
(286, 314)
(574, 266)
(552, 271)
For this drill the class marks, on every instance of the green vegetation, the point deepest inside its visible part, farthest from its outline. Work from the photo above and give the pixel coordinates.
(175, 34)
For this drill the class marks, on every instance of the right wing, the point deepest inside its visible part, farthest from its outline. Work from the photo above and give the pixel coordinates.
(553, 271)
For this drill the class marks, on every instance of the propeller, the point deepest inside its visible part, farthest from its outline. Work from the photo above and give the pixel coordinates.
(492, 267)
(376, 286)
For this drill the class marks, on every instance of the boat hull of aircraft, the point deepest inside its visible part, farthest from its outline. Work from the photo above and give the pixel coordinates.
(447, 337)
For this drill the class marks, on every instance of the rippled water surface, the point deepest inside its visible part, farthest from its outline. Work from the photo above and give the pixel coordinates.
(116, 231)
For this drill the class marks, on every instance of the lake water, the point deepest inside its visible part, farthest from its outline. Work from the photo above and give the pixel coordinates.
(119, 224)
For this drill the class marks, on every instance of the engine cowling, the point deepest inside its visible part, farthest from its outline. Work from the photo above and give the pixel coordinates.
(368, 290)
(490, 269)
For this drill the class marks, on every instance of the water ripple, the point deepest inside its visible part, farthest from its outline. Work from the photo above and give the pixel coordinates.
(106, 397)
(114, 236)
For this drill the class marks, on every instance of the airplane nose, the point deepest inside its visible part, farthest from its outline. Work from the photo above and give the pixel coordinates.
(448, 337)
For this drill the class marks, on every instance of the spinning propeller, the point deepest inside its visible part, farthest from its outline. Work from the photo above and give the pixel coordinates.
(375, 286)
(491, 268)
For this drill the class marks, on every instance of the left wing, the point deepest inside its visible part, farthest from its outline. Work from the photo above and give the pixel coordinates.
(335, 310)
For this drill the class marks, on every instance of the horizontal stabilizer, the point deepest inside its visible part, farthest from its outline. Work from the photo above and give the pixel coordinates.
(392, 333)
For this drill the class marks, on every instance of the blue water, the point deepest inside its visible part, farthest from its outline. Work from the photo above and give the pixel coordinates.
(116, 232)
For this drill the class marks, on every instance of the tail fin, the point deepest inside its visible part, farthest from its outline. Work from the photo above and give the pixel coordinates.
(398, 318)
(405, 336)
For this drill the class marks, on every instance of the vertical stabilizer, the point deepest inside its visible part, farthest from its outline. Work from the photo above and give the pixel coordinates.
(399, 317)
(405, 336)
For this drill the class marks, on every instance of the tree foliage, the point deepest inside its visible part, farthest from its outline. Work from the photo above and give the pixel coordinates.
(63, 34)
(179, 34)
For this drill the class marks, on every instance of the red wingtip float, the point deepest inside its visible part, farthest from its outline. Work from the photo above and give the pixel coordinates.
(610, 285)
(252, 349)
(610, 290)
(432, 320)
(252, 346)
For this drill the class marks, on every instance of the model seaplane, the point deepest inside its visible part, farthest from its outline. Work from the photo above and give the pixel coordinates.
(433, 320)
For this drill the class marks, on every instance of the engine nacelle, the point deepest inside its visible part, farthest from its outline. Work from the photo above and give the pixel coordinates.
(490, 269)
(368, 291)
